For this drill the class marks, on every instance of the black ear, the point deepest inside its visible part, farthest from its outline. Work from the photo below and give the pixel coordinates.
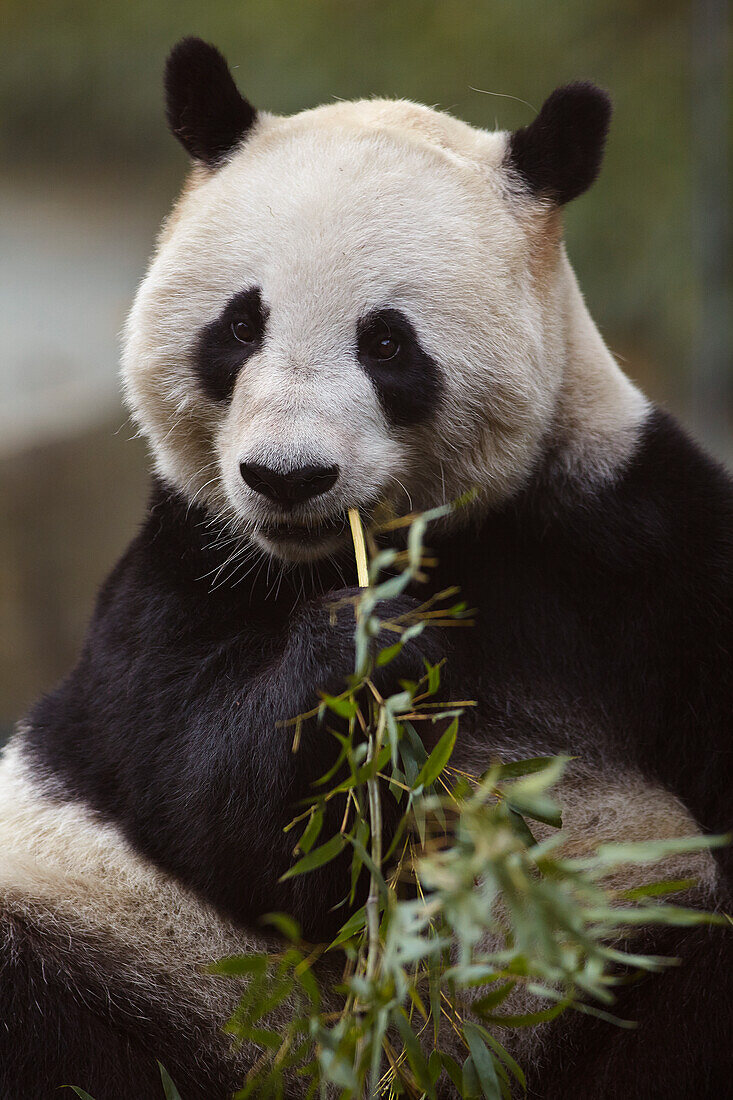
(559, 154)
(203, 106)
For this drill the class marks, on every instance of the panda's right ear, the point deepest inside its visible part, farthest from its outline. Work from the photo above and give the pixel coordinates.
(204, 108)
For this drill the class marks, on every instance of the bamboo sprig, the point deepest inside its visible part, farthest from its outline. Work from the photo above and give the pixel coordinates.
(357, 534)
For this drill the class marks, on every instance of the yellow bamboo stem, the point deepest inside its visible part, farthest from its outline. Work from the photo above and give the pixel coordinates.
(357, 534)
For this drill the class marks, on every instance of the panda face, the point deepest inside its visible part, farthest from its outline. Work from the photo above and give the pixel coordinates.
(355, 307)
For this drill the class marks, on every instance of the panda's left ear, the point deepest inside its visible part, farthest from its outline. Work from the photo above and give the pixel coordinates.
(204, 107)
(558, 156)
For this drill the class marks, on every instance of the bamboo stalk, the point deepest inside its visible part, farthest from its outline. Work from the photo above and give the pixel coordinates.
(357, 534)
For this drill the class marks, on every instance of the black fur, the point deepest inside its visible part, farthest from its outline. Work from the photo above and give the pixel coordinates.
(558, 156)
(604, 632)
(408, 385)
(204, 108)
(181, 687)
(217, 355)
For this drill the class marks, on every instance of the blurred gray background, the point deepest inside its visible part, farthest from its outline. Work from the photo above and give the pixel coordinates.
(87, 171)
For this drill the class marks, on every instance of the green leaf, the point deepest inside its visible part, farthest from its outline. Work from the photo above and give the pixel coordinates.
(506, 1057)
(493, 999)
(388, 654)
(433, 672)
(412, 990)
(305, 976)
(357, 864)
(470, 1085)
(521, 828)
(317, 858)
(483, 1062)
(438, 758)
(311, 831)
(79, 1092)
(345, 706)
(398, 703)
(170, 1090)
(453, 1070)
(435, 1067)
(370, 769)
(654, 914)
(607, 1017)
(649, 851)
(413, 1050)
(353, 926)
(659, 889)
(524, 767)
(539, 807)
(338, 1069)
(263, 1037)
(369, 862)
(237, 966)
(285, 924)
(539, 780)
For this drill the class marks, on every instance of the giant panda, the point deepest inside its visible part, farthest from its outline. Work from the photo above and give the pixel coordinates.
(367, 302)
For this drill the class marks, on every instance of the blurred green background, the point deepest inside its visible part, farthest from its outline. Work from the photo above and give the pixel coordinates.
(88, 169)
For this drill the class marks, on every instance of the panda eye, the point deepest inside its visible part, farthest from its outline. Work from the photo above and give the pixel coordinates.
(244, 331)
(384, 338)
(385, 348)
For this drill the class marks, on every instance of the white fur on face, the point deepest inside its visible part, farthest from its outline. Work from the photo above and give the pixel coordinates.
(334, 213)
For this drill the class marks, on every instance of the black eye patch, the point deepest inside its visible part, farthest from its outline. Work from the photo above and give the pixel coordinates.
(223, 346)
(406, 378)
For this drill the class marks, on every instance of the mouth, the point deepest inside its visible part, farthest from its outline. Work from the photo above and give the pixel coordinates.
(304, 532)
(303, 541)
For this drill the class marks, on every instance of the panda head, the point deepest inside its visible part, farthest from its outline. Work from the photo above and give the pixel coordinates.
(359, 303)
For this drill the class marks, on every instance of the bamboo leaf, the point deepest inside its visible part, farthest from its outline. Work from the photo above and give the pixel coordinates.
(470, 1085)
(413, 1050)
(263, 1037)
(353, 926)
(433, 672)
(344, 706)
(307, 980)
(506, 1057)
(493, 999)
(521, 828)
(519, 768)
(369, 862)
(170, 1090)
(386, 655)
(435, 1067)
(237, 966)
(649, 851)
(438, 758)
(659, 889)
(654, 914)
(316, 858)
(539, 808)
(285, 924)
(483, 1062)
(453, 1070)
(311, 831)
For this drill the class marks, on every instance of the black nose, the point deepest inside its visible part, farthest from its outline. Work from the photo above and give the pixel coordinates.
(293, 487)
